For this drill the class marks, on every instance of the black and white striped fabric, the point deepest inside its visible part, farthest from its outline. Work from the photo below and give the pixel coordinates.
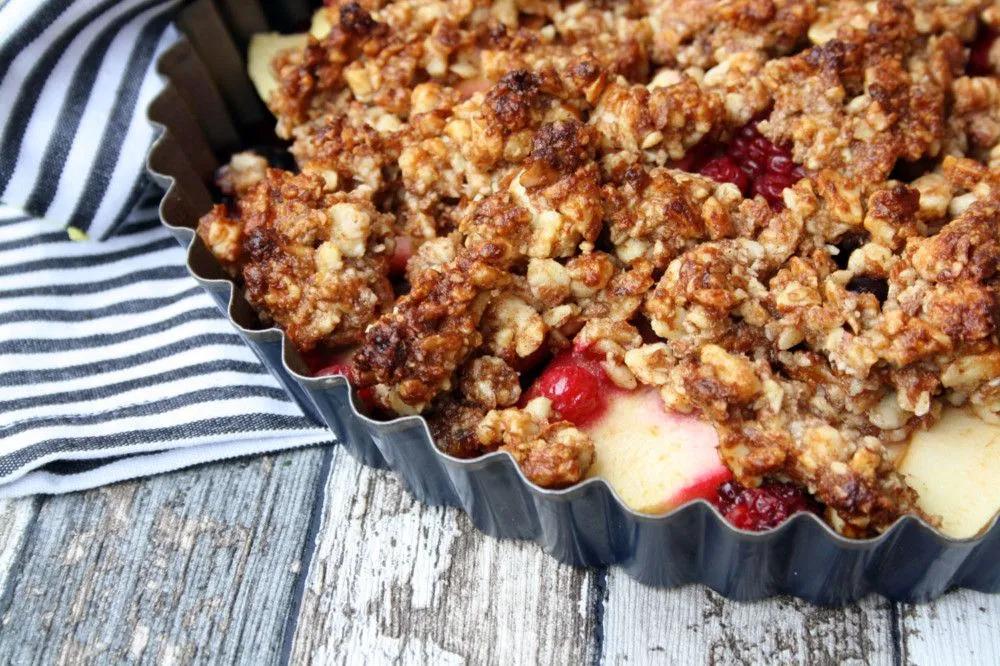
(75, 80)
(114, 363)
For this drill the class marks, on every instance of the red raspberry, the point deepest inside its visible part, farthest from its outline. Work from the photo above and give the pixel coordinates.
(724, 170)
(771, 186)
(753, 164)
(979, 54)
(762, 508)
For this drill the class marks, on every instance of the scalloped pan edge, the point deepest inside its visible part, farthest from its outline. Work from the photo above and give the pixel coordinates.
(202, 114)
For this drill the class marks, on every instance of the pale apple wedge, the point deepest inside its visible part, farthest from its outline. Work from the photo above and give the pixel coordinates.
(263, 47)
(654, 459)
(321, 25)
(955, 467)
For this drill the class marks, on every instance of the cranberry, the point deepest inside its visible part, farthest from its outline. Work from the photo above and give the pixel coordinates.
(576, 392)
(762, 508)
(752, 163)
(979, 54)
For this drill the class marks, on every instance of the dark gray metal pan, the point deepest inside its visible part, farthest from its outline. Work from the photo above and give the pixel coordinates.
(207, 110)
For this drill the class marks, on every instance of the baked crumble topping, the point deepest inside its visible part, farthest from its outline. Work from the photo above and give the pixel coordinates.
(782, 215)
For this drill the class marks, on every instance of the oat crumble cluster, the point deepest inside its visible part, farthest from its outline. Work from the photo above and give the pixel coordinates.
(483, 184)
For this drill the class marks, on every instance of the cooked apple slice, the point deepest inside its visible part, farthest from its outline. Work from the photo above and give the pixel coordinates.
(654, 459)
(955, 467)
(263, 47)
(321, 24)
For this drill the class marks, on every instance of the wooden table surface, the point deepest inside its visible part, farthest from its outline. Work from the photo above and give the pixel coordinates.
(310, 557)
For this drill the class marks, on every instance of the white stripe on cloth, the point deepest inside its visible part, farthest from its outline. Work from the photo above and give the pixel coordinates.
(85, 145)
(109, 426)
(136, 378)
(139, 133)
(83, 302)
(124, 371)
(102, 325)
(82, 186)
(16, 12)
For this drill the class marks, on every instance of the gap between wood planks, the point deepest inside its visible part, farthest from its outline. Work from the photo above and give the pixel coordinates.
(308, 549)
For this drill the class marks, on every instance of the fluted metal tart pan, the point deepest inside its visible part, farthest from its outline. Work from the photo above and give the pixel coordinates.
(208, 109)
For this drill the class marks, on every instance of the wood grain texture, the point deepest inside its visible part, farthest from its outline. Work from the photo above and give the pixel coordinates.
(693, 625)
(16, 516)
(962, 627)
(396, 581)
(191, 566)
(201, 566)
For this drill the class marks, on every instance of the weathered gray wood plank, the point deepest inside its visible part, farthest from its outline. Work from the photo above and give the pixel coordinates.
(195, 565)
(200, 565)
(15, 518)
(962, 627)
(394, 580)
(693, 625)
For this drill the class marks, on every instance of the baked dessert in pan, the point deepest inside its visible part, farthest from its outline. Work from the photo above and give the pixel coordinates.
(770, 240)
(714, 258)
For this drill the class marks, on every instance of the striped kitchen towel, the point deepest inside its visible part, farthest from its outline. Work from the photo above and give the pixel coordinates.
(113, 361)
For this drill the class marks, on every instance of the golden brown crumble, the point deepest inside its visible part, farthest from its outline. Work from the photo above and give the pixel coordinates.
(312, 261)
(539, 158)
(551, 452)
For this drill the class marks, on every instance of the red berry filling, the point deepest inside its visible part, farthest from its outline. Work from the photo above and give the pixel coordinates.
(762, 508)
(979, 54)
(317, 360)
(402, 251)
(575, 392)
(724, 170)
(577, 387)
(335, 369)
(751, 162)
(322, 363)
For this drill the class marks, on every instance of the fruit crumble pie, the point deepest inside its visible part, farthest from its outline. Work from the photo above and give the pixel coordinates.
(745, 250)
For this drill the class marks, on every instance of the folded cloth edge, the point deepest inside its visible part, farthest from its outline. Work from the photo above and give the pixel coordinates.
(42, 482)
